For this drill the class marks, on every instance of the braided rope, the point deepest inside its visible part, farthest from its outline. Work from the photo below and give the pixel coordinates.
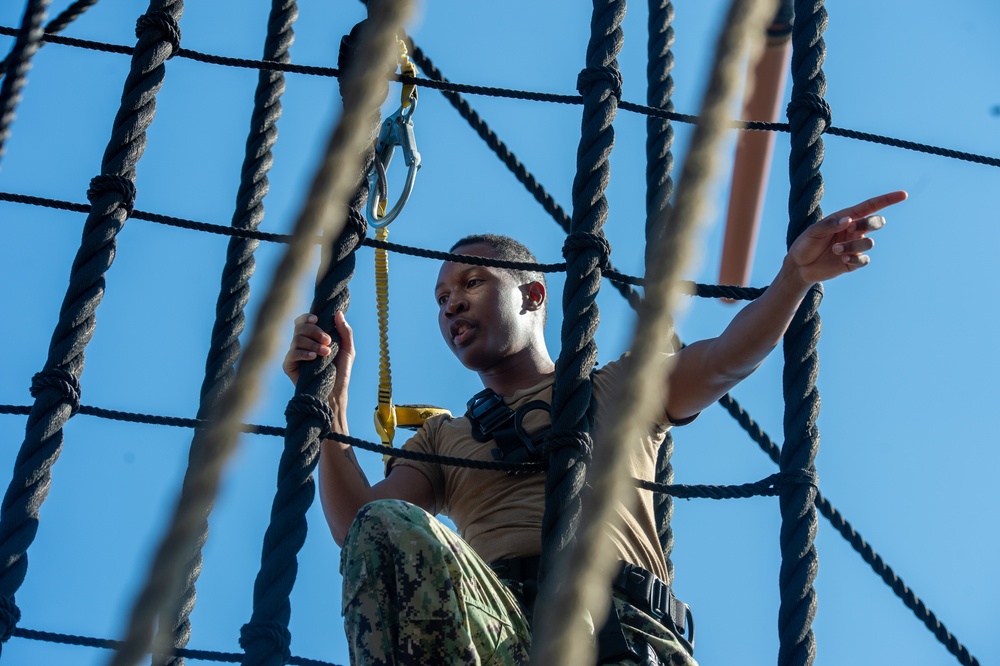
(584, 578)
(331, 187)
(571, 399)
(174, 627)
(111, 198)
(808, 118)
(308, 427)
(659, 191)
(28, 40)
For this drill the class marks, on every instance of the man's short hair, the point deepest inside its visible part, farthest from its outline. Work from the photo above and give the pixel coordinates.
(507, 249)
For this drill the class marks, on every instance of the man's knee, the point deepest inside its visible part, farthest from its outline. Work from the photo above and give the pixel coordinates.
(380, 521)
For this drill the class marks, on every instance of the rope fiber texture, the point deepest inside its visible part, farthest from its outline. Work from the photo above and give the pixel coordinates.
(322, 210)
(174, 627)
(569, 441)
(112, 194)
(18, 63)
(583, 579)
(309, 415)
(659, 192)
(59, 23)
(808, 118)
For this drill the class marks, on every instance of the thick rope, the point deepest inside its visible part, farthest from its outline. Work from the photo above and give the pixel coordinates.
(59, 23)
(28, 40)
(112, 195)
(808, 118)
(265, 637)
(659, 191)
(174, 628)
(561, 637)
(586, 253)
(323, 210)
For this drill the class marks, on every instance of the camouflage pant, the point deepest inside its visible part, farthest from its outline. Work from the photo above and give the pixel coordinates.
(415, 593)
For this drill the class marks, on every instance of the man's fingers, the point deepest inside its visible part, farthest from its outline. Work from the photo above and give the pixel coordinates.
(873, 205)
(868, 224)
(856, 246)
(303, 318)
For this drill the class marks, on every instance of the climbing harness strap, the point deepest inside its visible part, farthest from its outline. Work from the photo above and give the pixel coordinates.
(396, 130)
(491, 418)
(640, 588)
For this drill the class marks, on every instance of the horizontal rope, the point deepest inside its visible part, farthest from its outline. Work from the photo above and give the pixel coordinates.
(692, 288)
(109, 644)
(757, 488)
(526, 95)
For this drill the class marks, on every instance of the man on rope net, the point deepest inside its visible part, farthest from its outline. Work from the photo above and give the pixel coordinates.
(417, 593)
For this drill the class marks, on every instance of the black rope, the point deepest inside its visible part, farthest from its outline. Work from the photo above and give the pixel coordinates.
(767, 487)
(109, 644)
(809, 116)
(571, 398)
(860, 545)
(109, 210)
(174, 626)
(28, 40)
(659, 192)
(57, 24)
(307, 424)
(701, 290)
(312, 70)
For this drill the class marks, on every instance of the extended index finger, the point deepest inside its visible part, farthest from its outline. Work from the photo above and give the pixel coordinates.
(870, 206)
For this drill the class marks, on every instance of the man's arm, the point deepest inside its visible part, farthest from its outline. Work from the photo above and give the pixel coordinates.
(706, 370)
(343, 486)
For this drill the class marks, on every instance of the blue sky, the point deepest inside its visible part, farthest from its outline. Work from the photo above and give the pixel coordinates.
(908, 354)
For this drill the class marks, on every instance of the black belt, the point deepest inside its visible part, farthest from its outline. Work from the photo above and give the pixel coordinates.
(640, 588)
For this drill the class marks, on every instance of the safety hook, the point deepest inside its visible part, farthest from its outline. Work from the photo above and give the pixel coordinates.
(396, 130)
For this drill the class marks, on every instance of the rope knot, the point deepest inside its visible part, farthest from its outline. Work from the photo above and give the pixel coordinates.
(61, 380)
(581, 441)
(267, 630)
(166, 23)
(312, 406)
(591, 76)
(813, 103)
(112, 183)
(10, 615)
(586, 240)
(798, 477)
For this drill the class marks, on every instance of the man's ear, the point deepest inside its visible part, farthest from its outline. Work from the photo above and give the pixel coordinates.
(534, 296)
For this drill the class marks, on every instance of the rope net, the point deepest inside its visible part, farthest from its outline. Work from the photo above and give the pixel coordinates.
(57, 388)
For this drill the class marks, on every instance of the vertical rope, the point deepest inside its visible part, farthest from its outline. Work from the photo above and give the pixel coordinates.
(58, 24)
(265, 638)
(659, 190)
(29, 37)
(808, 117)
(175, 624)
(582, 588)
(586, 252)
(56, 388)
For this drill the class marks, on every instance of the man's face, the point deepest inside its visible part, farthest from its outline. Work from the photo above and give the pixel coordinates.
(481, 311)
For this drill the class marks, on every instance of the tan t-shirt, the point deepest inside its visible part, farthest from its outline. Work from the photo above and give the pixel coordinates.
(500, 515)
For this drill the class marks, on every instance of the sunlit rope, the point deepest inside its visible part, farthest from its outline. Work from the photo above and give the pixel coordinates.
(583, 578)
(490, 91)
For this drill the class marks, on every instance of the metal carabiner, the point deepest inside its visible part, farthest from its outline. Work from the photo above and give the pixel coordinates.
(396, 130)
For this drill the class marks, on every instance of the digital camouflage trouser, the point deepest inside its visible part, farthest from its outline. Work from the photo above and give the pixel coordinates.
(416, 594)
